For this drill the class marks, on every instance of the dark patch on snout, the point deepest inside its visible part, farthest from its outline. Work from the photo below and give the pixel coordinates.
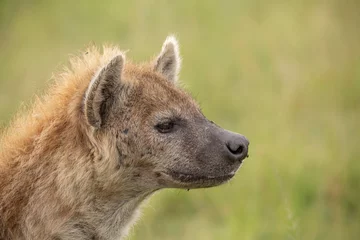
(126, 131)
(233, 146)
(214, 154)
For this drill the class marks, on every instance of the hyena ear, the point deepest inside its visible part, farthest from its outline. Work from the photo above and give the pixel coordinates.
(168, 62)
(101, 91)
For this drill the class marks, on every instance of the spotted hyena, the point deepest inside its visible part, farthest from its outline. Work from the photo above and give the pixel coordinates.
(107, 135)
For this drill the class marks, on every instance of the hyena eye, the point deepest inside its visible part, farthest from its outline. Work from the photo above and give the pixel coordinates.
(165, 127)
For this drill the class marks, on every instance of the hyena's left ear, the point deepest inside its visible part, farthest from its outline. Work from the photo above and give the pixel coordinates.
(168, 62)
(101, 91)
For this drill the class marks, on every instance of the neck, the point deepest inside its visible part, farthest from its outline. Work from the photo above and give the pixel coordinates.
(100, 209)
(111, 205)
(115, 219)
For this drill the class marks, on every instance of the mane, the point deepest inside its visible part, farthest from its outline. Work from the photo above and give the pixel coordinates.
(60, 103)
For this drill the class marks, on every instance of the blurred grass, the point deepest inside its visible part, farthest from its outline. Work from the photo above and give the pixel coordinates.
(284, 73)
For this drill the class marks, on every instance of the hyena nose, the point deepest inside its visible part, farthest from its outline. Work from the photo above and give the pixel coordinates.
(237, 147)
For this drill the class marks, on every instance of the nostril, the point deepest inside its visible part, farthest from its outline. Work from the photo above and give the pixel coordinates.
(239, 150)
(236, 149)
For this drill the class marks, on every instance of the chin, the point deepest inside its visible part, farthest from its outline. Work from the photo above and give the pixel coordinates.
(192, 180)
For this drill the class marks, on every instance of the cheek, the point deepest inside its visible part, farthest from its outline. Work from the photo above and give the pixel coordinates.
(143, 145)
(157, 147)
(175, 149)
(192, 141)
(156, 150)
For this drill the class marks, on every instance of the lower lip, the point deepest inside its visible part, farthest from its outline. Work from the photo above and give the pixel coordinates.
(193, 178)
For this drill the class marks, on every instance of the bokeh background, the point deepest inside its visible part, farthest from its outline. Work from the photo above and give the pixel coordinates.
(284, 73)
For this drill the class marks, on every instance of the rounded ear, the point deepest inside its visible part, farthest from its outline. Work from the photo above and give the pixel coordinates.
(101, 91)
(168, 62)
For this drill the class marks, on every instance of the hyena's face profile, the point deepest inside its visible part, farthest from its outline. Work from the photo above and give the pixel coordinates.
(159, 130)
(186, 149)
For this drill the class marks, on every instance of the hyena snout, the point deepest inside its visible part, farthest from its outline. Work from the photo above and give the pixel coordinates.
(236, 146)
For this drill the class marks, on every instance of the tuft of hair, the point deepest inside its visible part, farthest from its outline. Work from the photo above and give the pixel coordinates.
(168, 63)
(66, 89)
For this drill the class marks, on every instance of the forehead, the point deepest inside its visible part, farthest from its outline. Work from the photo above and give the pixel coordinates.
(154, 93)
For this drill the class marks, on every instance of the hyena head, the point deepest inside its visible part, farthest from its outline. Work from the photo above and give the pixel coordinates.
(154, 133)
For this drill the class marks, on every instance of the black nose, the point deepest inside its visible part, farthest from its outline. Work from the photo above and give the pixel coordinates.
(237, 147)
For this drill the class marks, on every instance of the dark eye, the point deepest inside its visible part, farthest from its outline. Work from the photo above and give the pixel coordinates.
(165, 127)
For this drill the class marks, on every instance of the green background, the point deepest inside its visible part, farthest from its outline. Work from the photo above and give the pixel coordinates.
(284, 73)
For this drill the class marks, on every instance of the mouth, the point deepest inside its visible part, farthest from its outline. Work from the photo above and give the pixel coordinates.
(187, 180)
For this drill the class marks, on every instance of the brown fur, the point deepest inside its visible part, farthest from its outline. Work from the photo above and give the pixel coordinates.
(64, 177)
(47, 155)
